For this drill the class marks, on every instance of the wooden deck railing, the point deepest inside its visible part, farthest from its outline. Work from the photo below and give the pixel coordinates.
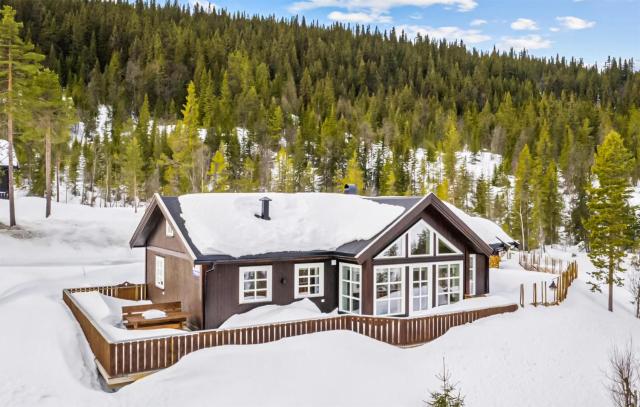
(536, 261)
(558, 293)
(124, 358)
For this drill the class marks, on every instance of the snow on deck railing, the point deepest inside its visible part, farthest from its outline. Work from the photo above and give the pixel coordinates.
(121, 359)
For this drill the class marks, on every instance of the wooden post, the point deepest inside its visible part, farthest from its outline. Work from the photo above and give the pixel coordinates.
(535, 295)
(522, 295)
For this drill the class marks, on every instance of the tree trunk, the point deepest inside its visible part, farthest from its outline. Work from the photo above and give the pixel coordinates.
(58, 177)
(47, 169)
(12, 204)
(610, 281)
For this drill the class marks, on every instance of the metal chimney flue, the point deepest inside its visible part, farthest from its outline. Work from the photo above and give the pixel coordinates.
(265, 208)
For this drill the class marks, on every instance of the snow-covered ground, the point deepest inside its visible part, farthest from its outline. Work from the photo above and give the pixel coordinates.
(555, 356)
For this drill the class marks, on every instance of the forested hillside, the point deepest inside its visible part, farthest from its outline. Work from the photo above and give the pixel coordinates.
(196, 101)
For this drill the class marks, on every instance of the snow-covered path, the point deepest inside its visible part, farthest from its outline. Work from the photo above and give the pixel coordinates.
(554, 356)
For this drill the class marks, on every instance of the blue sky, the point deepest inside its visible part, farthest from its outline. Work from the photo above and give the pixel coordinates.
(587, 29)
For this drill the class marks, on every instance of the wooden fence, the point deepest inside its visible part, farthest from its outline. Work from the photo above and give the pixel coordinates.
(128, 358)
(558, 288)
(537, 261)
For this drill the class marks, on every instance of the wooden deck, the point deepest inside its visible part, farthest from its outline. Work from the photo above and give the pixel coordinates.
(126, 361)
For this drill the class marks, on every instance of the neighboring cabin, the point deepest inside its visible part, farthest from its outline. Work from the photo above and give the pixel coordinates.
(4, 168)
(224, 254)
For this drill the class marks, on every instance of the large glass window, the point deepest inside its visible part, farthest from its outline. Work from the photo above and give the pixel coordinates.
(449, 287)
(420, 240)
(389, 291)
(350, 277)
(309, 280)
(420, 290)
(255, 284)
(395, 249)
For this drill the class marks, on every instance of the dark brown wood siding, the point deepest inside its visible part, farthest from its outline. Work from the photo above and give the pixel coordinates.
(222, 289)
(180, 283)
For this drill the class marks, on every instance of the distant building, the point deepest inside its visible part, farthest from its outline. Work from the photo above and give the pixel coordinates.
(4, 168)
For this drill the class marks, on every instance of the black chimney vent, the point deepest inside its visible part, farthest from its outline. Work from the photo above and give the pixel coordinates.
(350, 189)
(265, 208)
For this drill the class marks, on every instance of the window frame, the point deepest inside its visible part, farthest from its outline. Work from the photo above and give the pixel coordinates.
(351, 283)
(159, 282)
(460, 264)
(403, 270)
(241, 281)
(472, 273)
(168, 229)
(429, 267)
(432, 234)
(296, 284)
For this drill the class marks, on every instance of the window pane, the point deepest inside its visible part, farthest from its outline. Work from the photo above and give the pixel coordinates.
(444, 248)
(455, 284)
(248, 294)
(303, 290)
(396, 274)
(395, 307)
(346, 288)
(455, 270)
(302, 272)
(395, 289)
(249, 275)
(455, 298)
(314, 290)
(345, 303)
(355, 290)
(382, 307)
(443, 272)
(416, 274)
(381, 292)
(424, 289)
(443, 299)
(314, 281)
(304, 281)
(443, 286)
(345, 273)
(425, 273)
(420, 238)
(356, 274)
(249, 286)
(261, 294)
(416, 304)
(355, 306)
(261, 274)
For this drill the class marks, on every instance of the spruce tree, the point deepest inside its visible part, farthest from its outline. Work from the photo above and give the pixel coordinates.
(218, 170)
(610, 216)
(19, 63)
(133, 168)
(481, 197)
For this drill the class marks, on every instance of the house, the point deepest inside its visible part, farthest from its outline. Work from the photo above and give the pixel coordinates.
(4, 168)
(223, 253)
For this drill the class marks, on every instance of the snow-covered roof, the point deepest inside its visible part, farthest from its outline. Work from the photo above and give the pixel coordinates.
(225, 223)
(488, 230)
(4, 154)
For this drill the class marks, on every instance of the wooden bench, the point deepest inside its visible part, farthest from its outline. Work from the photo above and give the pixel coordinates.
(132, 316)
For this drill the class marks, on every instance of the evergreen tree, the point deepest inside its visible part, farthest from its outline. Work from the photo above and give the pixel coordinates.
(133, 168)
(448, 395)
(218, 171)
(19, 63)
(522, 202)
(610, 216)
(283, 179)
(481, 197)
(51, 115)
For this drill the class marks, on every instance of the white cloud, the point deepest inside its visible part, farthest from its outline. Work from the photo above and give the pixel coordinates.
(524, 24)
(529, 42)
(358, 17)
(554, 29)
(379, 6)
(477, 22)
(471, 36)
(575, 23)
(416, 16)
(206, 5)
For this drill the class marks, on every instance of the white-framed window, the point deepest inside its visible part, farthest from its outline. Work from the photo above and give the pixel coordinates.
(395, 249)
(350, 280)
(449, 276)
(420, 275)
(472, 274)
(160, 272)
(255, 284)
(309, 280)
(420, 239)
(445, 247)
(168, 230)
(388, 290)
